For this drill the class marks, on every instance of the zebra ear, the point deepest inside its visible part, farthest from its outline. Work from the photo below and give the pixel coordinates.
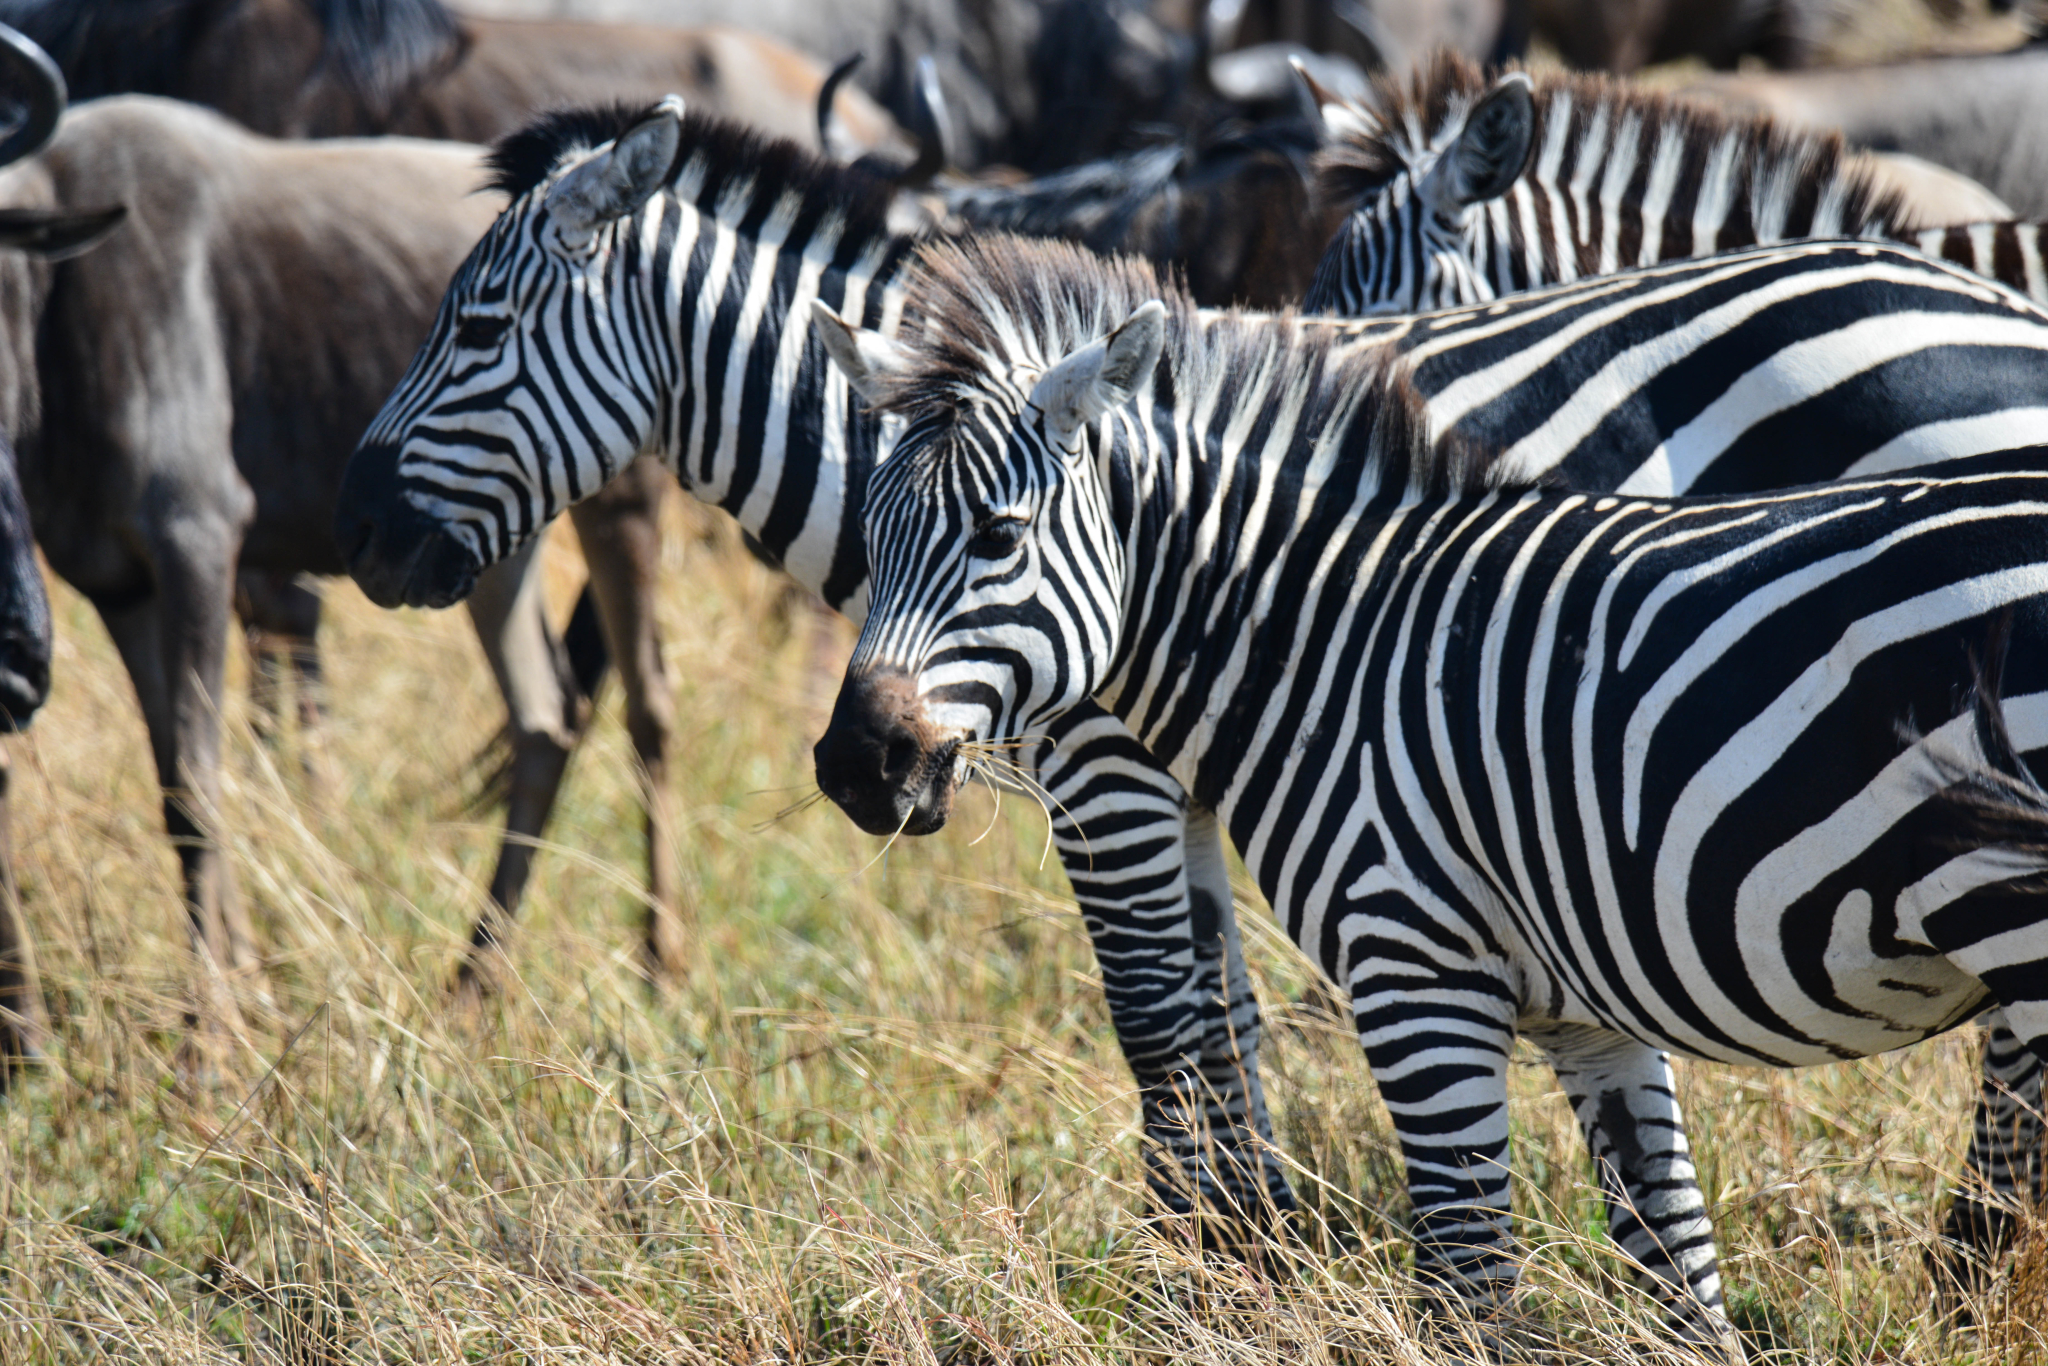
(1490, 151)
(619, 180)
(869, 359)
(1101, 376)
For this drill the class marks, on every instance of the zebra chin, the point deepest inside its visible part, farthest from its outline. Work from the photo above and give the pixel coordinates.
(399, 555)
(881, 760)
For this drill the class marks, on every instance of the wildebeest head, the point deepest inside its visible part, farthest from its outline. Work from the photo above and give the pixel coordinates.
(282, 67)
(31, 85)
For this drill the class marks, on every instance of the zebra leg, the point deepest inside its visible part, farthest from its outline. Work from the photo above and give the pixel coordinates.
(544, 723)
(1150, 879)
(1622, 1092)
(1242, 1162)
(621, 538)
(2006, 1162)
(1438, 1037)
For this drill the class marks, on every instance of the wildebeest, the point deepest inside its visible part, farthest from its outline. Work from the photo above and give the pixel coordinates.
(328, 68)
(1984, 116)
(197, 383)
(32, 232)
(337, 66)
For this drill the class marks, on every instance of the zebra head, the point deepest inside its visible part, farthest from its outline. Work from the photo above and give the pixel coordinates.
(532, 389)
(997, 569)
(1420, 188)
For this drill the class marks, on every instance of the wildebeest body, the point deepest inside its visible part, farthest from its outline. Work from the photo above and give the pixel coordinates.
(203, 377)
(1984, 116)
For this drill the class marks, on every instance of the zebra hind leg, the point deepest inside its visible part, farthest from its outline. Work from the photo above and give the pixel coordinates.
(1622, 1093)
(2006, 1165)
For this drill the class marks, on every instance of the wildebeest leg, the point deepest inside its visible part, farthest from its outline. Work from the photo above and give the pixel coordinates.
(22, 1027)
(174, 643)
(281, 623)
(544, 722)
(621, 535)
(2006, 1162)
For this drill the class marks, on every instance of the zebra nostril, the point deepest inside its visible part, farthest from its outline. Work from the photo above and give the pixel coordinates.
(901, 755)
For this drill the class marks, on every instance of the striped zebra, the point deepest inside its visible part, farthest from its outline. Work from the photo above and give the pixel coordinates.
(1463, 190)
(675, 319)
(1625, 775)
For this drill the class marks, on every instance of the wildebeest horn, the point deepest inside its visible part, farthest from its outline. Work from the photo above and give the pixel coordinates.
(55, 234)
(827, 94)
(27, 71)
(934, 131)
(1392, 53)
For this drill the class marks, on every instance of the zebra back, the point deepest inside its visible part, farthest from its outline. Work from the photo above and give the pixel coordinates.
(1462, 189)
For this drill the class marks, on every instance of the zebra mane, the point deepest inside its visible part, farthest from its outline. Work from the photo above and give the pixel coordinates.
(1405, 119)
(983, 305)
(730, 153)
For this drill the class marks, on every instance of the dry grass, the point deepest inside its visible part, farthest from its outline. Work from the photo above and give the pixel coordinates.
(884, 1119)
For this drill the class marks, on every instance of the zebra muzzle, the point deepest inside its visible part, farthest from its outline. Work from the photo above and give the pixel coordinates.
(881, 760)
(399, 555)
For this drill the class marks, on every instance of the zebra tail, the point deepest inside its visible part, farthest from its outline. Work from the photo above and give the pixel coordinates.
(1992, 791)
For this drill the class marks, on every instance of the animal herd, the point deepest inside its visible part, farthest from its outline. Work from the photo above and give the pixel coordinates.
(1583, 544)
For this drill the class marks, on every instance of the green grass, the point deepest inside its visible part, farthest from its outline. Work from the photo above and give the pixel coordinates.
(883, 1119)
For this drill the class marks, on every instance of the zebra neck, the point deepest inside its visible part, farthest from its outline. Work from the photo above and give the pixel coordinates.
(758, 421)
(1230, 527)
(1616, 184)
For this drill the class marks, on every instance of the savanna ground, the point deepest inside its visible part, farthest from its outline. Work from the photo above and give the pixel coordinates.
(884, 1118)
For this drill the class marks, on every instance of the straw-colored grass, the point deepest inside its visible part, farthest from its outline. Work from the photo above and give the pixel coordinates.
(884, 1119)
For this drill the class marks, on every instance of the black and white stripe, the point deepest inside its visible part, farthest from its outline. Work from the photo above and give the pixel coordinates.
(684, 327)
(1626, 775)
(1462, 190)
(494, 439)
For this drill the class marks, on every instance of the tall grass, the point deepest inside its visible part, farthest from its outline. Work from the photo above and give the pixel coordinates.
(884, 1118)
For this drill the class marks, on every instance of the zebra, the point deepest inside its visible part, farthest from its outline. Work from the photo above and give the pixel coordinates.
(1504, 759)
(674, 318)
(647, 288)
(1463, 190)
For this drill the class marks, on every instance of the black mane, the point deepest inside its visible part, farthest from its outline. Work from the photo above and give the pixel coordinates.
(977, 298)
(523, 159)
(380, 50)
(732, 152)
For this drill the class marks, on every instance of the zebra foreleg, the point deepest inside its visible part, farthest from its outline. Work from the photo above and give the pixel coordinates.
(1243, 1164)
(1622, 1092)
(1155, 894)
(2005, 1161)
(1438, 1038)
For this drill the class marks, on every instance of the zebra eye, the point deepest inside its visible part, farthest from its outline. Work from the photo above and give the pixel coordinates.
(996, 537)
(481, 331)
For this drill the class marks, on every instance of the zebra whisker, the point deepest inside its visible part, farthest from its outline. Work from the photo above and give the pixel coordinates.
(797, 807)
(980, 753)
